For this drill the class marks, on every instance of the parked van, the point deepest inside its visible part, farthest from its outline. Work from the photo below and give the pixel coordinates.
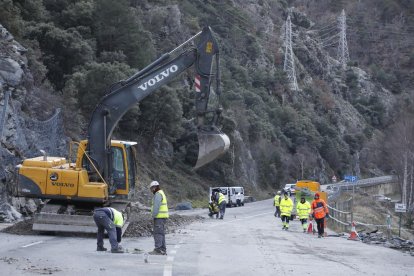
(234, 195)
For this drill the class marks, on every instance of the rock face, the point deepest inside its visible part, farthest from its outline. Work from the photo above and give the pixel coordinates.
(21, 133)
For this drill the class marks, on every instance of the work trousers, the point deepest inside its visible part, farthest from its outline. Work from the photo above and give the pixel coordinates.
(222, 208)
(277, 212)
(103, 222)
(304, 222)
(320, 223)
(285, 221)
(159, 234)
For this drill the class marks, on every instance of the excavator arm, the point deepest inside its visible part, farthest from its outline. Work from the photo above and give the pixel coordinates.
(127, 93)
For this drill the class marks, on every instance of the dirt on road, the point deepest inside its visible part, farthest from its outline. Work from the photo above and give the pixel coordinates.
(140, 226)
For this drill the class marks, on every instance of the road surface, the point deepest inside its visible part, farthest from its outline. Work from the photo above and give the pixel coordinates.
(249, 241)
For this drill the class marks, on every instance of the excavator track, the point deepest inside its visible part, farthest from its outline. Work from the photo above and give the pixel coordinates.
(55, 217)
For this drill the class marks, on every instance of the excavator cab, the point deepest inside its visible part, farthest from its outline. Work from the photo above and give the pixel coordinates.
(122, 164)
(123, 167)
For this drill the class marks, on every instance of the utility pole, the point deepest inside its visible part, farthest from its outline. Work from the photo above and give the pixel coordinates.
(289, 65)
(343, 54)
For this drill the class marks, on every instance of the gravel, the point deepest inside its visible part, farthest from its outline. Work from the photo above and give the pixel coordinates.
(140, 226)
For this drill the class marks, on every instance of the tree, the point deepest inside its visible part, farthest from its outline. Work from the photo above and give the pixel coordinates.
(62, 49)
(399, 150)
(92, 81)
(116, 28)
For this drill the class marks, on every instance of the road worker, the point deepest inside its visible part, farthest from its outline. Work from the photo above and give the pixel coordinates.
(276, 203)
(303, 209)
(221, 202)
(319, 210)
(213, 208)
(111, 220)
(159, 212)
(286, 206)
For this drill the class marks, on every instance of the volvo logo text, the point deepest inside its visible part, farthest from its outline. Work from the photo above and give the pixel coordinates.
(159, 77)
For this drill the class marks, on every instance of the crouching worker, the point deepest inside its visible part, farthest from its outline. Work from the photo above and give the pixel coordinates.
(112, 221)
(213, 208)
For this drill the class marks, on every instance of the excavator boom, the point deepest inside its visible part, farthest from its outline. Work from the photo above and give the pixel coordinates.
(104, 170)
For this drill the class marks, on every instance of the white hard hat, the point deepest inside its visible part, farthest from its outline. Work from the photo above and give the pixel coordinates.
(154, 183)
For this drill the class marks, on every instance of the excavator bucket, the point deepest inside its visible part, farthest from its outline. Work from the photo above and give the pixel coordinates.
(211, 145)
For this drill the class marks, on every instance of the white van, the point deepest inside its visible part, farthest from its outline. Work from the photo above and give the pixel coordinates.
(234, 195)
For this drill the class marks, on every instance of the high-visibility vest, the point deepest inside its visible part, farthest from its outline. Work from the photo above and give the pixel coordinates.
(221, 198)
(286, 206)
(303, 210)
(277, 201)
(319, 208)
(163, 212)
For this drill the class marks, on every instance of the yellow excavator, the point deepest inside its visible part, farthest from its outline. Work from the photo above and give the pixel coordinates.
(104, 172)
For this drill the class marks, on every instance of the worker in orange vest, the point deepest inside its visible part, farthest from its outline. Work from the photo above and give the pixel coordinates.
(319, 210)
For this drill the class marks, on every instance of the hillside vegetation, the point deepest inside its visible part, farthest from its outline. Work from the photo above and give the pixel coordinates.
(341, 121)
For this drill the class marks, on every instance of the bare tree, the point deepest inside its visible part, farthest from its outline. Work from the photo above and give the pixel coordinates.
(399, 149)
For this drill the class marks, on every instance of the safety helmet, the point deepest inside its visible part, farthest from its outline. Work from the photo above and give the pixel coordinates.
(316, 195)
(154, 183)
(278, 192)
(285, 193)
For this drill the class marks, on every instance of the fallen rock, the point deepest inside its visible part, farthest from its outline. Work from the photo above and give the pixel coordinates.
(184, 206)
(8, 213)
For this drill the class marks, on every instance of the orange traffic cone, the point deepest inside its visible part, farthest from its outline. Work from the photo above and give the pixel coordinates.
(310, 227)
(353, 235)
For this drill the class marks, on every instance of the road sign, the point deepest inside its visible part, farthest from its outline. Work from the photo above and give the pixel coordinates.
(400, 208)
(351, 178)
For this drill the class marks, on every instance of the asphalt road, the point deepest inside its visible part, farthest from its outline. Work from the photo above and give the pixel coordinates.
(249, 241)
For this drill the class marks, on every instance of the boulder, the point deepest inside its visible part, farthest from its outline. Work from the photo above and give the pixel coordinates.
(184, 206)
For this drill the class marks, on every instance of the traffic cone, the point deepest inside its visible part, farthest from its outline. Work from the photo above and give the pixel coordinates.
(353, 235)
(310, 227)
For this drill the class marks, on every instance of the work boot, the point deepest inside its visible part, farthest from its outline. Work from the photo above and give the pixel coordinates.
(101, 248)
(319, 236)
(117, 250)
(304, 230)
(221, 217)
(157, 252)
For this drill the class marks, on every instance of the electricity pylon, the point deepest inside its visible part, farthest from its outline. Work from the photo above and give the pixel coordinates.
(289, 65)
(343, 54)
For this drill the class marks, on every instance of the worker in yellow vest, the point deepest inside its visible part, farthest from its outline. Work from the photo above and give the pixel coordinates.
(303, 209)
(276, 202)
(221, 202)
(159, 212)
(286, 206)
(111, 220)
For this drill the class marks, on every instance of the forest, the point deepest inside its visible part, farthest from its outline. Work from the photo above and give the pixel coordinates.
(352, 121)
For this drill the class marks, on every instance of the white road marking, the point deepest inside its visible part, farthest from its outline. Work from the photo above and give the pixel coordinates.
(167, 270)
(170, 259)
(30, 244)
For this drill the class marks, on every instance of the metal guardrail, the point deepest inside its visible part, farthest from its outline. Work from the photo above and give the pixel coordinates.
(347, 186)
